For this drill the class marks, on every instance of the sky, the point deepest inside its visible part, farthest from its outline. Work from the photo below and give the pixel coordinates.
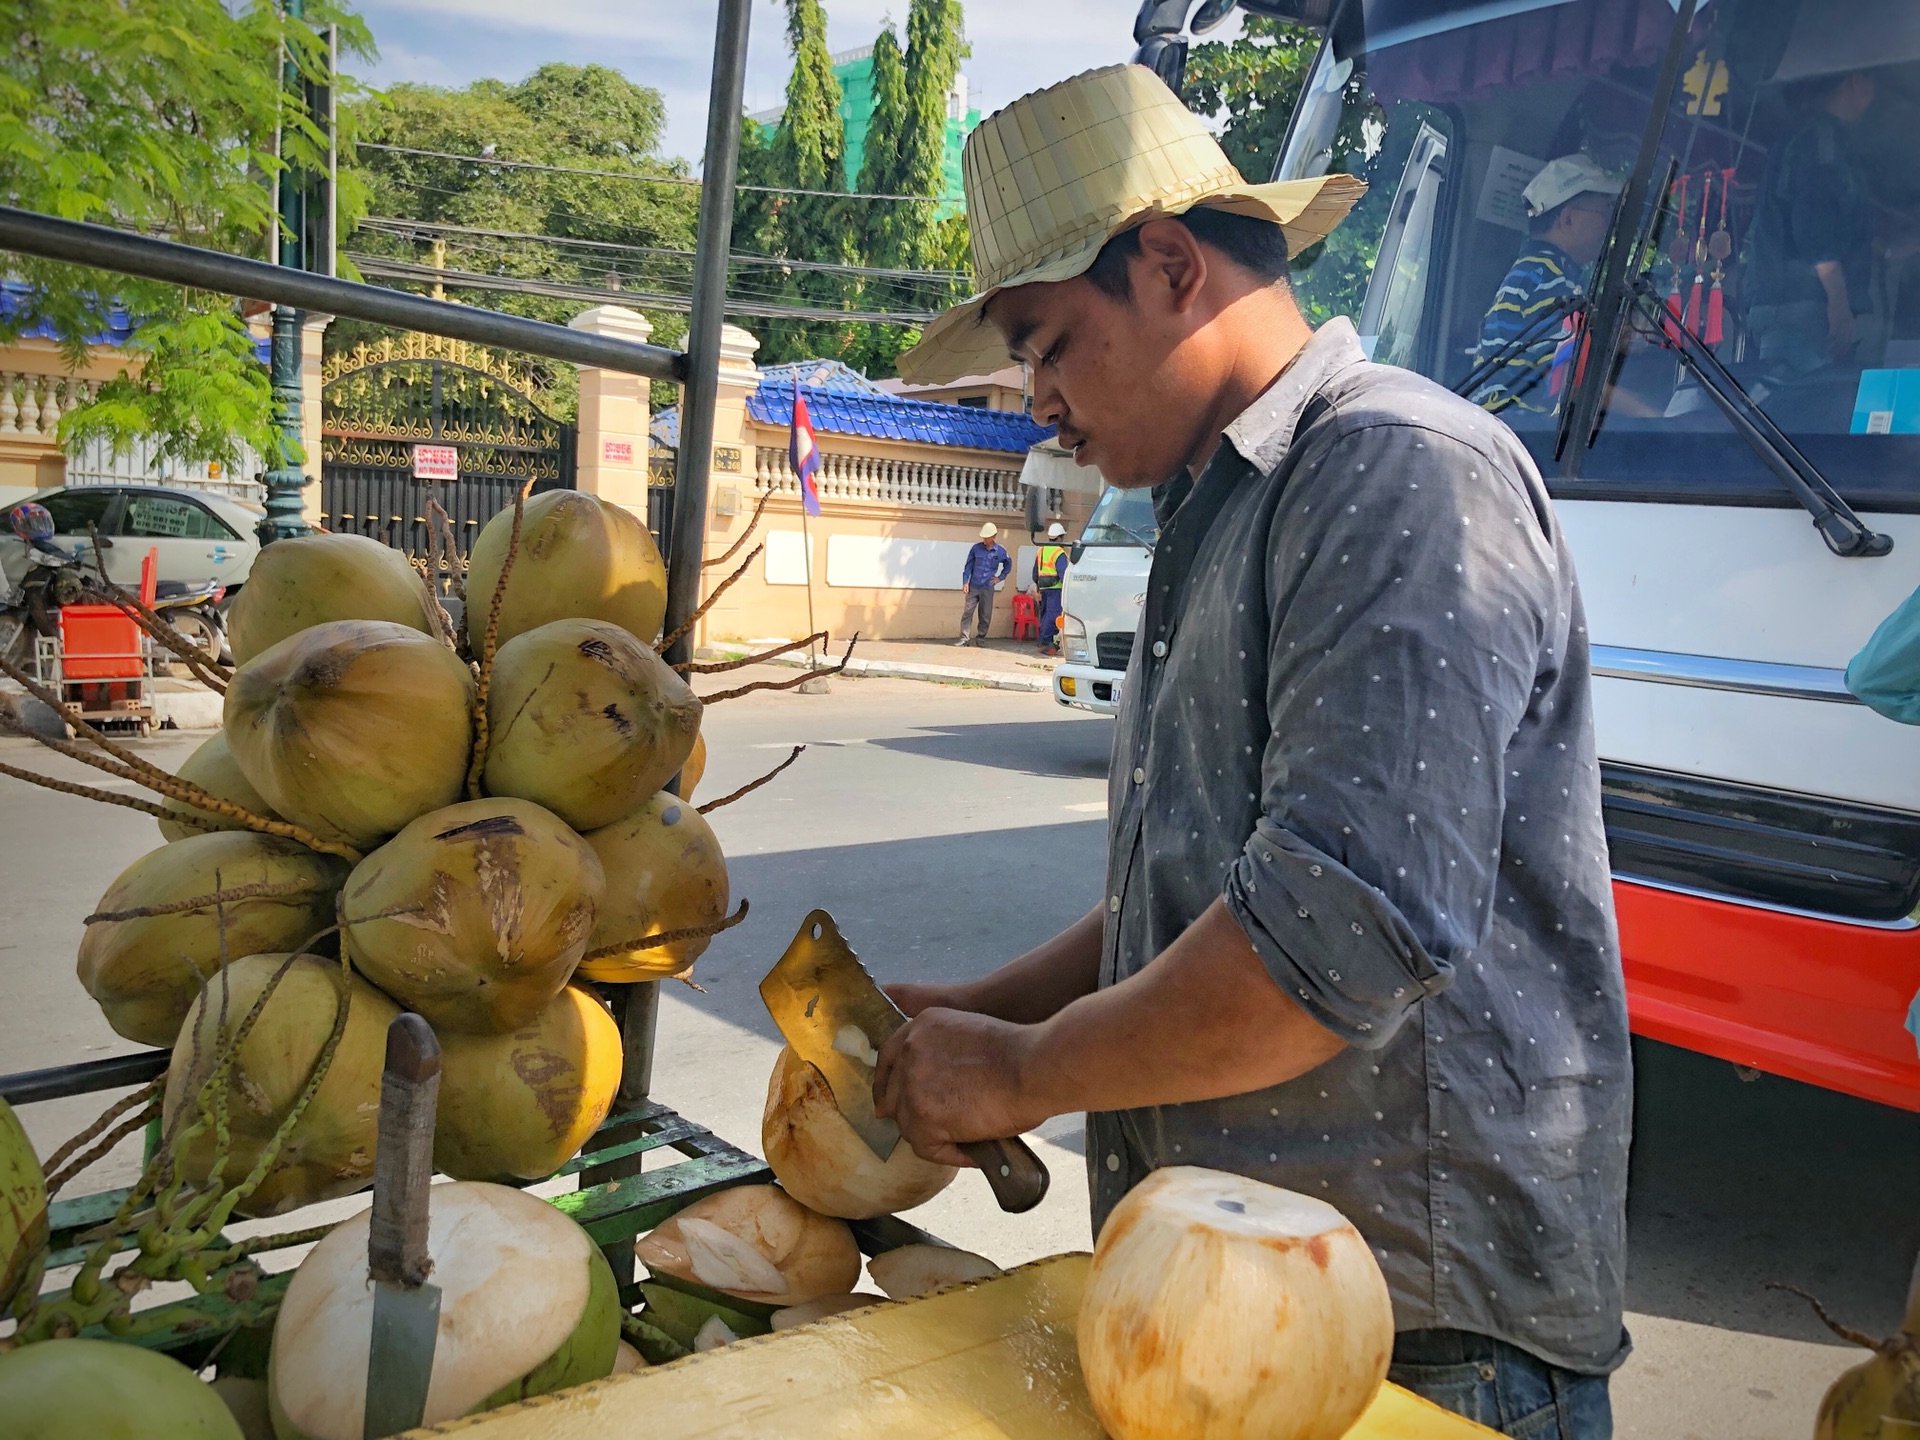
(1018, 45)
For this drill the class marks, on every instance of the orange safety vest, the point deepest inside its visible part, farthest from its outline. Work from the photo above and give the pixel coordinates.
(1048, 563)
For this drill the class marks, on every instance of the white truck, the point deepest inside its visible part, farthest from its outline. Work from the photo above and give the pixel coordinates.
(1105, 588)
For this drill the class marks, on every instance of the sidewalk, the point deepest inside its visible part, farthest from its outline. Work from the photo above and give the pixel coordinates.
(999, 664)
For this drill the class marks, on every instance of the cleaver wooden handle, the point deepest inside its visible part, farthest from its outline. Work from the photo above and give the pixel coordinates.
(1018, 1178)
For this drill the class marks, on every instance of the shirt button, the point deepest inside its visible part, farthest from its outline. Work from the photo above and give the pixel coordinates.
(1139, 776)
(1159, 649)
(1113, 904)
(1113, 1162)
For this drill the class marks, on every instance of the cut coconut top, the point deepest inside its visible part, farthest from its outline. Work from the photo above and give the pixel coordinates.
(1233, 1204)
(514, 1280)
(913, 1270)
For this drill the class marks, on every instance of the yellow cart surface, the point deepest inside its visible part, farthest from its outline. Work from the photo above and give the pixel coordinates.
(991, 1359)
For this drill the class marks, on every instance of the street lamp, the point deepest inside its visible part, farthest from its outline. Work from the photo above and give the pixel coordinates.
(287, 479)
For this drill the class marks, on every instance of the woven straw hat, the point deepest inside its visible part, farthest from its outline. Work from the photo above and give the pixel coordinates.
(1058, 173)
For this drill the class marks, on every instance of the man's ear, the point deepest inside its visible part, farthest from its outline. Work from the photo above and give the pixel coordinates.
(1170, 268)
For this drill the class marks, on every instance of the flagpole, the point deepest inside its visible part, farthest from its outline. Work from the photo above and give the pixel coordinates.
(804, 467)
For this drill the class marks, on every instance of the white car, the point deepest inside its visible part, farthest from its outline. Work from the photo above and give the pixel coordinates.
(198, 536)
(1106, 587)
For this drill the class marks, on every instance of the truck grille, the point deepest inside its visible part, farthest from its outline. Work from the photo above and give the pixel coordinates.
(1113, 648)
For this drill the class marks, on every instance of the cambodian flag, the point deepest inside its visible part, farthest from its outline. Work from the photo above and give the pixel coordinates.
(803, 453)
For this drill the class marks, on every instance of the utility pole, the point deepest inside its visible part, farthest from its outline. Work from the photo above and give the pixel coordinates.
(287, 479)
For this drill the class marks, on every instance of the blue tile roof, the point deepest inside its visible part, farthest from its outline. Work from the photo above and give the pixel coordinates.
(120, 325)
(892, 417)
(820, 375)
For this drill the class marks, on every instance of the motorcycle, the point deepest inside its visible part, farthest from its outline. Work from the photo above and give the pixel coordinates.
(196, 610)
(53, 578)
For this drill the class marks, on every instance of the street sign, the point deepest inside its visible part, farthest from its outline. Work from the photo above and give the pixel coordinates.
(436, 462)
(616, 452)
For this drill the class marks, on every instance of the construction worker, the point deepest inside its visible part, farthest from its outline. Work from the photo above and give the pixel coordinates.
(1049, 576)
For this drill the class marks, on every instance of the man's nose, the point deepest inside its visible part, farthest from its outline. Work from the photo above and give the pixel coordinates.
(1048, 407)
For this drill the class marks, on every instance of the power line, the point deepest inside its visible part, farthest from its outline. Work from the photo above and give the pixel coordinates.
(646, 179)
(384, 267)
(400, 225)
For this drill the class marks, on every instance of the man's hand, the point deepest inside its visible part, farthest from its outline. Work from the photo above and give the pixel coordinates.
(948, 1076)
(912, 999)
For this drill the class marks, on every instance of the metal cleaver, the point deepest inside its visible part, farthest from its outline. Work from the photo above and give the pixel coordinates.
(406, 1309)
(834, 1016)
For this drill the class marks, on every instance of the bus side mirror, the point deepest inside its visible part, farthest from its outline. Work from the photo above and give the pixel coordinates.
(1036, 501)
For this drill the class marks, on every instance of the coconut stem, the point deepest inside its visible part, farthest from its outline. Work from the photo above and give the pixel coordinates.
(172, 786)
(752, 785)
(738, 691)
(439, 554)
(669, 937)
(135, 1100)
(1845, 1332)
(707, 604)
(57, 1178)
(734, 549)
(105, 797)
(487, 643)
(691, 667)
(265, 890)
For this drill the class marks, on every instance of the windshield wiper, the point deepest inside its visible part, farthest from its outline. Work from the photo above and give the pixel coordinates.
(1562, 306)
(1844, 531)
(1137, 538)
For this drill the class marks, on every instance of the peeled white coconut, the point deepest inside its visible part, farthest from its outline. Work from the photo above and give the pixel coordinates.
(756, 1242)
(712, 1335)
(819, 1309)
(820, 1159)
(1219, 1308)
(527, 1305)
(915, 1269)
(626, 1359)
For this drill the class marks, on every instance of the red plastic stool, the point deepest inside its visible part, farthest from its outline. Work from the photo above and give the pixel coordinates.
(1025, 625)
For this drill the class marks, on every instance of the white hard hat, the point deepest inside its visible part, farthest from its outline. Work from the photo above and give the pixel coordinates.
(989, 530)
(1560, 180)
(1056, 530)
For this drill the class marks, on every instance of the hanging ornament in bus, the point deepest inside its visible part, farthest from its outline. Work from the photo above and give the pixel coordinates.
(1719, 248)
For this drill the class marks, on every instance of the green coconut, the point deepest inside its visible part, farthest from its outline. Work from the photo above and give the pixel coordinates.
(313, 579)
(693, 770)
(106, 1390)
(144, 973)
(586, 720)
(330, 1150)
(23, 1208)
(519, 1106)
(353, 728)
(213, 768)
(579, 555)
(664, 872)
(501, 898)
(527, 1306)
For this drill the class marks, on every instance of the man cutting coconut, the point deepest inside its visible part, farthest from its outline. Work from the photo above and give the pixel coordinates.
(1357, 933)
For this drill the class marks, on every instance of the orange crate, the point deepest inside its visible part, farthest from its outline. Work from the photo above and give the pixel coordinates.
(100, 642)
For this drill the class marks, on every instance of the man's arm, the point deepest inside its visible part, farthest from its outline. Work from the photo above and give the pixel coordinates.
(1202, 1020)
(1003, 567)
(1024, 991)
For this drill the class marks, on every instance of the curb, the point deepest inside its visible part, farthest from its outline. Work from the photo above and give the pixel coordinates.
(937, 674)
(195, 709)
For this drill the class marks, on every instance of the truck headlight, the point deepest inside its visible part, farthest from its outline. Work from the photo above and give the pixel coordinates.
(1073, 639)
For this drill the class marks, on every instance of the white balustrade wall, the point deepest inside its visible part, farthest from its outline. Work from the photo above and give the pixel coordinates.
(32, 404)
(877, 481)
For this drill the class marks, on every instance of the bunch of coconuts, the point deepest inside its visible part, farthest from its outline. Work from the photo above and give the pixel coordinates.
(479, 835)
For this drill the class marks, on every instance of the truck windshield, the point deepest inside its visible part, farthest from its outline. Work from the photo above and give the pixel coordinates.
(1494, 152)
(1121, 517)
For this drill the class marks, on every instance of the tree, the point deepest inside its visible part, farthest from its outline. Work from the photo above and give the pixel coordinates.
(885, 230)
(157, 116)
(934, 48)
(579, 117)
(1253, 82)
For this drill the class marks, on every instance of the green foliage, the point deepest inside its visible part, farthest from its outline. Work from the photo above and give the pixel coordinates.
(158, 116)
(934, 49)
(587, 117)
(886, 228)
(1252, 81)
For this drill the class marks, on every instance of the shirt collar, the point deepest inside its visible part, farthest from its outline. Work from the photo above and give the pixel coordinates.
(1263, 431)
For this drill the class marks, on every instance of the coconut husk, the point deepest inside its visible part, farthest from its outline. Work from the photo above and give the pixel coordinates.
(498, 900)
(755, 1242)
(820, 1159)
(585, 720)
(579, 557)
(213, 768)
(664, 872)
(310, 580)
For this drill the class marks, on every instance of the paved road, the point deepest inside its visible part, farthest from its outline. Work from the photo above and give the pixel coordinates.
(948, 828)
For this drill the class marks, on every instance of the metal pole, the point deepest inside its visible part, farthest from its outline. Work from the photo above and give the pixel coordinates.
(288, 478)
(703, 330)
(101, 246)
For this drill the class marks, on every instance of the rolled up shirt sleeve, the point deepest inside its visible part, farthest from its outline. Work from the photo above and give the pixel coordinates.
(1411, 586)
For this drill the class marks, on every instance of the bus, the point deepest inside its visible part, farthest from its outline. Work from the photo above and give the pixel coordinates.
(1725, 403)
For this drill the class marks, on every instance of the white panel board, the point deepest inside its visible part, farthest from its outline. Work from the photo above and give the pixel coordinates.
(786, 557)
(880, 562)
(1023, 559)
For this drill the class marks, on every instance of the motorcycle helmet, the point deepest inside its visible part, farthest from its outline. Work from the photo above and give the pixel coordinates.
(32, 521)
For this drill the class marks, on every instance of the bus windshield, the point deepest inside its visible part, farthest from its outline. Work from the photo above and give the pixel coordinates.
(1494, 153)
(1122, 517)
